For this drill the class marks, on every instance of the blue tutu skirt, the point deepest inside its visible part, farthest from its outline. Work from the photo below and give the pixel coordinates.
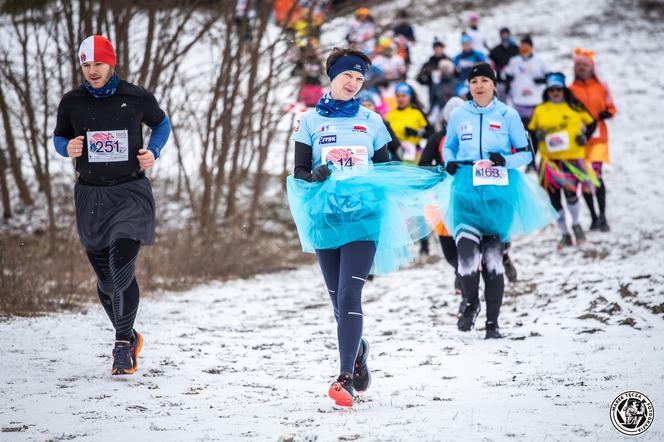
(385, 203)
(520, 207)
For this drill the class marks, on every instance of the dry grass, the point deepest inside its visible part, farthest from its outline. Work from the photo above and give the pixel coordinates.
(33, 282)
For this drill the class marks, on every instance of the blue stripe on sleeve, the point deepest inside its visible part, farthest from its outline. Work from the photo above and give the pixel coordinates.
(159, 137)
(60, 144)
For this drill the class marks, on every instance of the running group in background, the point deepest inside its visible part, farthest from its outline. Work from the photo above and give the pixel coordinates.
(566, 120)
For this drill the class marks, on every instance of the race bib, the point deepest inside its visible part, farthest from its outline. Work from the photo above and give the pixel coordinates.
(107, 146)
(557, 142)
(345, 157)
(486, 174)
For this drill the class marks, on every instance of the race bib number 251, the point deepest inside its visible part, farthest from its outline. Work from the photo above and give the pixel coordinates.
(108, 146)
(486, 174)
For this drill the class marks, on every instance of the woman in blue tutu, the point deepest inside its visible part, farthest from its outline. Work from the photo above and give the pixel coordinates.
(357, 211)
(490, 199)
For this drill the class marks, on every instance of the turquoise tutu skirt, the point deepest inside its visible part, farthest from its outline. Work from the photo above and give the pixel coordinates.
(385, 203)
(518, 208)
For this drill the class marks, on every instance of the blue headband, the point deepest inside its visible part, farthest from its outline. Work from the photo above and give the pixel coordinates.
(347, 63)
(404, 88)
(555, 80)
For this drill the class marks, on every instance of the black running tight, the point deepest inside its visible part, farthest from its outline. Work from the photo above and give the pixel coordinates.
(345, 271)
(116, 284)
(600, 194)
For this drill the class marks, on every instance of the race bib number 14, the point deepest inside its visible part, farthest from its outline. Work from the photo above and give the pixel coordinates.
(345, 157)
(108, 146)
(486, 174)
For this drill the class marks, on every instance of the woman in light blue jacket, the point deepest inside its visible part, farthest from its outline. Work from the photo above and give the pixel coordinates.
(490, 200)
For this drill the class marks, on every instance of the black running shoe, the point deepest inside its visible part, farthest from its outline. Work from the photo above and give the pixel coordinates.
(492, 331)
(603, 225)
(579, 234)
(510, 270)
(362, 376)
(341, 390)
(123, 363)
(466, 321)
(594, 225)
(565, 241)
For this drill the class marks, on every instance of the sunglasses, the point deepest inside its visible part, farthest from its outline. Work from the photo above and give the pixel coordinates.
(555, 89)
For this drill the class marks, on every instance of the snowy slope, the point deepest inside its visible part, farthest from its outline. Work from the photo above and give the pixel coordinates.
(252, 359)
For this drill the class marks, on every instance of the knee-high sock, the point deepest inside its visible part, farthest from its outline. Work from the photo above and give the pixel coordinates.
(555, 195)
(492, 273)
(468, 245)
(573, 205)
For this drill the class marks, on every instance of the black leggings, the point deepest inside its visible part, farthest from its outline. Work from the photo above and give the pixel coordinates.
(600, 194)
(451, 256)
(489, 253)
(116, 284)
(345, 271)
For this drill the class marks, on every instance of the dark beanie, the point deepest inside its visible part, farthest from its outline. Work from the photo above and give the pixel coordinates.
(527, 40)
(482, 70)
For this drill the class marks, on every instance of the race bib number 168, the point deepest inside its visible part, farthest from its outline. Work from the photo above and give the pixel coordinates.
(486, 174)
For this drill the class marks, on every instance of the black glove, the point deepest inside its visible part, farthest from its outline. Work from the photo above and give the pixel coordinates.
(451, 167)
(411, 132)
(540, 80)
(581, 139)
(321, 173)
(605, 114)
(497, 159)
(540, 134)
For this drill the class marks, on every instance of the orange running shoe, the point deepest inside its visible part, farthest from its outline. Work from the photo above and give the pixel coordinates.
(122, 360)
(136, 344)
(342, 390)
(125, 355)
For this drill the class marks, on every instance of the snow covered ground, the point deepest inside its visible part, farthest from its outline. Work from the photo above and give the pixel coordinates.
(252, 359)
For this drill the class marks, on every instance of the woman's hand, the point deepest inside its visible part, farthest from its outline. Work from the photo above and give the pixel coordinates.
(321, 173)
(497, 159)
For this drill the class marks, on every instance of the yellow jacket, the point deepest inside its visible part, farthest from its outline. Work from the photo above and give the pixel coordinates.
(561, 124)
(400, 119)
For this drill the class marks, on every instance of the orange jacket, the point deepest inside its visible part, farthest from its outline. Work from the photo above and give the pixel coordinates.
(282, 8)
(596, 97)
